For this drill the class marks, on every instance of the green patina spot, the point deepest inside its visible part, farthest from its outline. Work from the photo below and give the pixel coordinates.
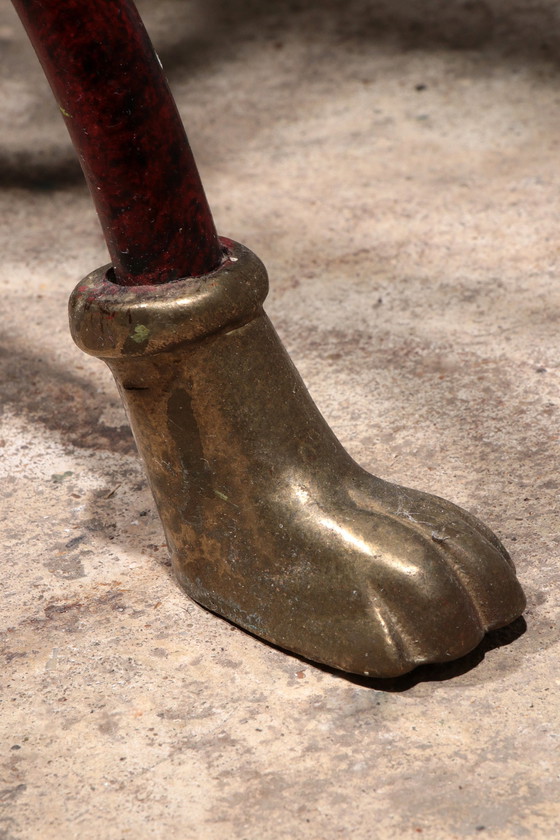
(58, 478)
(140, 334)
(221, 495)
(66, 114)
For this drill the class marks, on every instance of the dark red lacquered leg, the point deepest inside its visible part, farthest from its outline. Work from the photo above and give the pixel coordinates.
(128, 134)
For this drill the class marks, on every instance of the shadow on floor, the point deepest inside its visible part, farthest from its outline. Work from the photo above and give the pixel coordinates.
(441, 672)
(505, 32)
(494, 31)
(432, 673)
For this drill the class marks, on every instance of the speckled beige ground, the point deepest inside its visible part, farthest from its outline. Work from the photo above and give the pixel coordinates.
(397, 166)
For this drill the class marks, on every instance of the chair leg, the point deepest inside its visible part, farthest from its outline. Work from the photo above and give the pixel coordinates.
(269, 521)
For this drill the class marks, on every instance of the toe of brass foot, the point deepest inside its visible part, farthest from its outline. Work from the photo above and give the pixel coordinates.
(269, 521)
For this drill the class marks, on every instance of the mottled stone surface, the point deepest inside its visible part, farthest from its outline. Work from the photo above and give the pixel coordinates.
(396, 165)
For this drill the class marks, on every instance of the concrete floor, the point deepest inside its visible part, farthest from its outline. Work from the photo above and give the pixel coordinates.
(397, 166)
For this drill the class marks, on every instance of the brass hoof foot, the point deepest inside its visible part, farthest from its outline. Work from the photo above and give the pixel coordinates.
(269, 521)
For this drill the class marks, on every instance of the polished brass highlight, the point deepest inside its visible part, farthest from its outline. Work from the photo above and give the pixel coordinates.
(269, 521)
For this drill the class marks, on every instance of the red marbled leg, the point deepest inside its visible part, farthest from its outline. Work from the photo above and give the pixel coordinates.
(129, 137)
